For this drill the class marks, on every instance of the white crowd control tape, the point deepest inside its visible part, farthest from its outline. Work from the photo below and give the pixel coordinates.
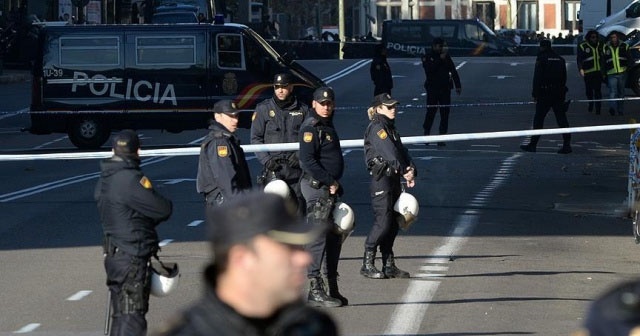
(343, 143)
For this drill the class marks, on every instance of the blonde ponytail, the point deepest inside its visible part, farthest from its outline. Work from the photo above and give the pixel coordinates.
(371, 112)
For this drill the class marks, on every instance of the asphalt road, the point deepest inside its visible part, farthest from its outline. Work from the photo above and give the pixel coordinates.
(507, 243)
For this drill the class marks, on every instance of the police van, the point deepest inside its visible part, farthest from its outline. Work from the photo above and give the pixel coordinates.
(412, 38)
(91, 79)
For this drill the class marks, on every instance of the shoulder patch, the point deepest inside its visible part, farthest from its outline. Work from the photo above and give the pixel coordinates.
(253, 116)
(307, 137)
(382, 134)
(272, 113)
(223, 151)
(145, 183)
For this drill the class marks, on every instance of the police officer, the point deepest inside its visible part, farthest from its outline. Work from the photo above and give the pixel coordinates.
(441, 77)
(278, 120)
(549, 91)
(253, 285)
(130, 209)
(588, 60)
(322, 165)
(615, 56)
(380, 71)
(387, 161)
(222, 168)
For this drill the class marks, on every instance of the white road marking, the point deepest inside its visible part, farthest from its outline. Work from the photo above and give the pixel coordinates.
(28, 328)
(79, 295)
(195, 223)
(407, 317)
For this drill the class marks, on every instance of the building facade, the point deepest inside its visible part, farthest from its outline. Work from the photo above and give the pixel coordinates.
(547, 16)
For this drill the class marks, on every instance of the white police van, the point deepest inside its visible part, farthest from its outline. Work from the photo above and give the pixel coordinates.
(91, 79)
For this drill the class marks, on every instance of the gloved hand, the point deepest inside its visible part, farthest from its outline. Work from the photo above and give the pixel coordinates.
(272, 165)
(293, 160)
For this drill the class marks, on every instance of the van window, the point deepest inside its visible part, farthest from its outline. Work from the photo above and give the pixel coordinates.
(442, 31)
(166, 50)
(410, 34)
(474, 32)
(229, 48)
(90, 50)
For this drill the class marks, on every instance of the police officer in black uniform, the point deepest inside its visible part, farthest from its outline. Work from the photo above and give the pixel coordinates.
(388, 161)
(589, 62)
(441, 77)
(322, 165)
(380, 71)
(278, 120)
(222, 168)
(130, 209)
(549, 92)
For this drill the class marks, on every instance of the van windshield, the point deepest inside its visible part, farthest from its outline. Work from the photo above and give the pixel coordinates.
(267, 47)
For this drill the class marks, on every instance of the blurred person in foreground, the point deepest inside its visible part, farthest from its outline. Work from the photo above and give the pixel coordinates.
(616, 312)
(255, 280)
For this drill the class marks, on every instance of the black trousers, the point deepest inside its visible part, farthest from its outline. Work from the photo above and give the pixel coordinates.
(384, 194)
(128, 277)
(593, 89)
(327, 245)
(440, 97)
(542, 108)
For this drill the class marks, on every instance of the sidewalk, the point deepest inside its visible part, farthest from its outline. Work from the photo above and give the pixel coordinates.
(14, 76)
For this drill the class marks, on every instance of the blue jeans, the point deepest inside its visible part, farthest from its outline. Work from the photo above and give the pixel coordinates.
(616, 84)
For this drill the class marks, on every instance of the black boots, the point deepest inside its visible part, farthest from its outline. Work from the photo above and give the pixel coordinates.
(334, 293)
(318, 296)
(368, 268)
(389, 267)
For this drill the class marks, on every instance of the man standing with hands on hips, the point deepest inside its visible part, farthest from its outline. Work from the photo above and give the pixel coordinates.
(322, 167)
(441, 76)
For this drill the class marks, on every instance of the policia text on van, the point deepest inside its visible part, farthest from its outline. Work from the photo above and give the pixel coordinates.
(89, 80)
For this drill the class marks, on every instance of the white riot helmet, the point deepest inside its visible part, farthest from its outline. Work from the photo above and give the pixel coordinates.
(164, 278)
(278, 187)
(407, 206)
(343, 218)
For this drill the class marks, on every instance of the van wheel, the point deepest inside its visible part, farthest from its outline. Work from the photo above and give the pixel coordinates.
(634, 81)
(88, 133)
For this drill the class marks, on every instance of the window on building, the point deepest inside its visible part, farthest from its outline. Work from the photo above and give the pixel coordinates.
(527, 15)
(570, 20)
(166, 50)
(90, 50)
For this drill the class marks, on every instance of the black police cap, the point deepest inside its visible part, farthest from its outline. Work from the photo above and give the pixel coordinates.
(126, 143)
(282, 79)
(323, 94)
(225, 106)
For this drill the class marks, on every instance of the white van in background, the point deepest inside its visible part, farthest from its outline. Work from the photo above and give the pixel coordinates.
(623, 22)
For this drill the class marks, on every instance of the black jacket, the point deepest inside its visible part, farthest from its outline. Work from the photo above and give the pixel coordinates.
(382, 140)
(381, 75)
(222, 166)
(441, 73)
(549, 77)
(212, 317)
(129, 207)
(320, 151)
(273, 124)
